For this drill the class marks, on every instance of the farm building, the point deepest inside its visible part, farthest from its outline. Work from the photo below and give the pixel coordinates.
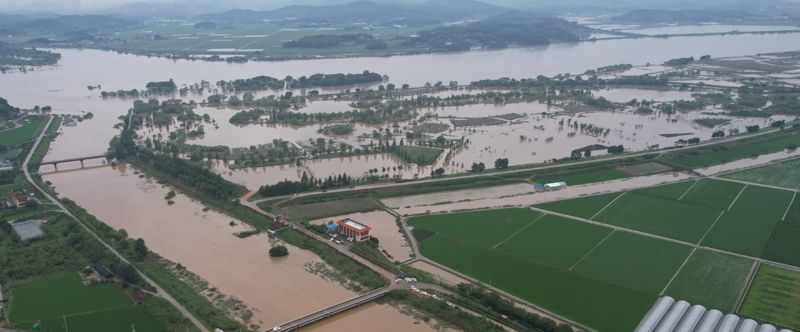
(668, 315)
(19, 198)
(102, 270)
(353, 229)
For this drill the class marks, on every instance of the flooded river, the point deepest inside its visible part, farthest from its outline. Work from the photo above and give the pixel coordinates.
(278, 290)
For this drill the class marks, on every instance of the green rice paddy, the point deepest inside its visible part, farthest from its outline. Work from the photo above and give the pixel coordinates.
(774, 297)
(711, 279)
(785, 175)
(63, 303)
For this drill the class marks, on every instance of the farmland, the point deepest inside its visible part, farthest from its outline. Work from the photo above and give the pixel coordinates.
(785, 174)
(727, 152)
(619, 266)
(693, 285)
(774, 296)
(511, 249)
(16, 136)
(61, 302)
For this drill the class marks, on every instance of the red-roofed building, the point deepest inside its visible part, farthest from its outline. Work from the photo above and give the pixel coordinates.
(353, 229)
(19, 198)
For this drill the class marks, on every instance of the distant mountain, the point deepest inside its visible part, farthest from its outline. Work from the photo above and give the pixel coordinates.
(66, 25)
(431, 12)
(661, 16)
(500, 31)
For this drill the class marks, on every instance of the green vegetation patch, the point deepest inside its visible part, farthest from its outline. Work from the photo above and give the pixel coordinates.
(672, 191)
(20, 134)
(583, 177)
(774, 297)
(711, 279)
(713, 193)
(486, 228)
(785, 175)
(784, 244)
(598, 304)
(333, 208)
(555, 240)
(793, 213)
(746, 227)
(419, 155)
(677, 220)
(583, 207)
(63, 299)
(730, 151)
(639, 262)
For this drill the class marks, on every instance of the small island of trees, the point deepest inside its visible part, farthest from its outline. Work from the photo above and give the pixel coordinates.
(278, 251)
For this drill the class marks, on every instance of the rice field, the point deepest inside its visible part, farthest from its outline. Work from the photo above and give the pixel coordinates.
(785, 175)
(774, 296)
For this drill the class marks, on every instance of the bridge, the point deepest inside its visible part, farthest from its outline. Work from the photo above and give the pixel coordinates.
(81, 159)
(352, 303)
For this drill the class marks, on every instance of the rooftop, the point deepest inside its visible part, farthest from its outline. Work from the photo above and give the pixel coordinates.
(355, 224)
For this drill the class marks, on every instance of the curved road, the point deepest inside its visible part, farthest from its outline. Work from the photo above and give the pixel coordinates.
(160, 291)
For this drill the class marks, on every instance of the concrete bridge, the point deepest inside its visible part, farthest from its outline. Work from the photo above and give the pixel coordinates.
(81, 159)
(352, 303)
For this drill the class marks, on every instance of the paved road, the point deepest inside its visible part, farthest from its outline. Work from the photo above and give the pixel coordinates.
(160, 291)
(752, 183)
(538, 168)
(355, 302)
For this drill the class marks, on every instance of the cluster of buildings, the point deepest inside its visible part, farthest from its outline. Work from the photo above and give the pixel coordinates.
(351, 229)
(18, 198)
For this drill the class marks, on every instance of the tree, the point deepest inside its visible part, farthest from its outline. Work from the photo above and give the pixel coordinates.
(478, 167)
(126, 272)
(718, 134)
(617, 149)
(140, 248)
(753, 128)
(278, 251)
(501, 163)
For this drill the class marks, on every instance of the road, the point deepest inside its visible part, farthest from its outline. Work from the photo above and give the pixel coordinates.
(355, 302)
(160, 291)
(537, 168)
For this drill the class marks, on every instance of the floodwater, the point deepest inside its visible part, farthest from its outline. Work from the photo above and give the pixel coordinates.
(546, 196)
(383, 227)
(708, 28)
(459, 195)
(278, 289)
(371, 317)
(624, 95)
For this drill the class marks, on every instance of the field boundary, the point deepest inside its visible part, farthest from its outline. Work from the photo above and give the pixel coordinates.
(591, 250)
(746, 287)
(737, 196)
(711, 227)
(688, 190)
(607, 205)
(677, 271)
(789, 208)
(519, 231)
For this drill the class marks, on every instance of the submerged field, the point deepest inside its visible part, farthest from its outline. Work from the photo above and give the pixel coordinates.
(62, 303)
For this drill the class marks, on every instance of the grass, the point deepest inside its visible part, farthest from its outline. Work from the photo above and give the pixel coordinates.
(783, 244)
(793, 214)
(332, 208)
(543, 241)
(583, 207)
(486, 228)
(721, 153)
(711, 279)
(747, 226)
(672, 191)
(785, 175)
(713, 193)
(774, 297)
(582, 177)
(19, 135)
(419, 155)
(659, 216)
(635, 261)
(62, 299)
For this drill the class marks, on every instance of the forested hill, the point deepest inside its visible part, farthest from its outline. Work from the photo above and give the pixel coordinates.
(64, 25)
(501, 31)
(431, 12)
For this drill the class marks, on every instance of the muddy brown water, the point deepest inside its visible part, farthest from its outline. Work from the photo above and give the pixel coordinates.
(278, 289)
